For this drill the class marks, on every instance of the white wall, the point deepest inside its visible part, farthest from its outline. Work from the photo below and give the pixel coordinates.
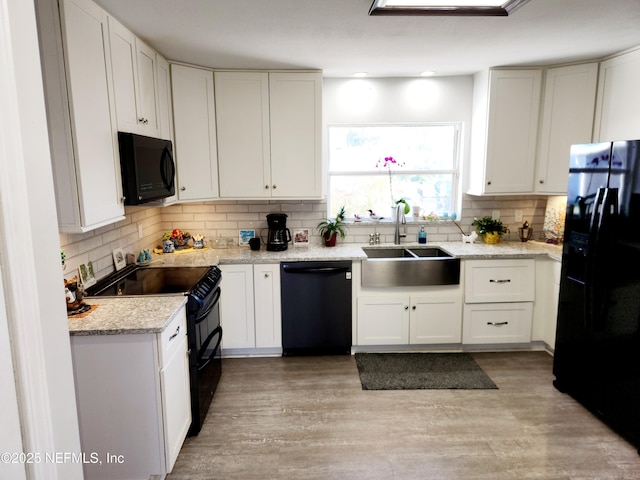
(29, 255)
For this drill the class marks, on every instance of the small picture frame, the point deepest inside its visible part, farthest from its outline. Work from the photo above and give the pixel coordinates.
(245, 236)
(119, 260)
(87, 276)
(301, 237)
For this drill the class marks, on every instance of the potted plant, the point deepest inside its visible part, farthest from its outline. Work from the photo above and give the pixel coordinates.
(330, 229)
(489, 228)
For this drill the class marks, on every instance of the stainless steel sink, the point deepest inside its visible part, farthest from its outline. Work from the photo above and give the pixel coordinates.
(388, 253)
(407, 267)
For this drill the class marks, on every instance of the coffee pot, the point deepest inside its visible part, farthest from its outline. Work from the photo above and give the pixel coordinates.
(278, 235)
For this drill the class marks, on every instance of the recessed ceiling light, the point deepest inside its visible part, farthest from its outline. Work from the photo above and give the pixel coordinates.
(360, 74)
(427, 73)
(446, 7)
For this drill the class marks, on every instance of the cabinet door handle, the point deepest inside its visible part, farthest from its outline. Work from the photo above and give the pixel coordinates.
(183, 188)
(541, 181)
(275, 186)
(505, 280)
(175, 334)
(266, 275)
(497, 324)
(489, 182)
(413, 308)
(266, 187)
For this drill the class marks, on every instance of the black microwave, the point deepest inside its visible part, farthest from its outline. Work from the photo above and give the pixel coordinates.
(147, 168)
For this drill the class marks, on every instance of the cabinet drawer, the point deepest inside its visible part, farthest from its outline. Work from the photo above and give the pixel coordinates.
(497, 323)
(171, 336)
(499, 281)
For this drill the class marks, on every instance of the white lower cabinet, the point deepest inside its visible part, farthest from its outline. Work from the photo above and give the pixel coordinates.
(250, 309)
(133, 398)
(414, 319)
(497, 323)
(499, 297)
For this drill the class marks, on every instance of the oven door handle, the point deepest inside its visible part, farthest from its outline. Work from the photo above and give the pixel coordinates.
(210, 306)
(207, 360)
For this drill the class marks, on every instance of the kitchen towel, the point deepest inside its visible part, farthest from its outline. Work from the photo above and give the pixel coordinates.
(413, 371)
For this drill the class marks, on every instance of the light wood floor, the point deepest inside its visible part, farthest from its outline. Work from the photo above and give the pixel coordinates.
(308, 418)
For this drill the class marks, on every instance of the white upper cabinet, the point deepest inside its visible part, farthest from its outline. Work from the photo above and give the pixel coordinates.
(567, 119)
(135, 81)
(295, 101)
(506, 105)
(195, 148)
(242, 121)
(80, 105)
(618, 100)
(269, 134)
(165, 107)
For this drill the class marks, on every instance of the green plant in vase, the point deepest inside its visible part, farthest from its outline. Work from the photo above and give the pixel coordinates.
(489, 228)
(330, 229)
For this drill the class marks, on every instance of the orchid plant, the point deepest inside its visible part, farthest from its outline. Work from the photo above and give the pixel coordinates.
(387, 163)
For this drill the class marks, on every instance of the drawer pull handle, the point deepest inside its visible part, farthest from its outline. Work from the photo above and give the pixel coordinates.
(175, 334)
(497, 324)
(507, 280)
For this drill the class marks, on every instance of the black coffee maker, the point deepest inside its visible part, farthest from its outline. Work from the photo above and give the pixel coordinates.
(279, 235)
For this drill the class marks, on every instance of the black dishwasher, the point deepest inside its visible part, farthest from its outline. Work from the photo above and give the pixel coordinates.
(316, 308)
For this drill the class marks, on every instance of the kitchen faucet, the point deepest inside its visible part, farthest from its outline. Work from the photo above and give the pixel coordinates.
(399, 214)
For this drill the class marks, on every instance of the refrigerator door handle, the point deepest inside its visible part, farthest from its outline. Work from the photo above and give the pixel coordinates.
(596, 213)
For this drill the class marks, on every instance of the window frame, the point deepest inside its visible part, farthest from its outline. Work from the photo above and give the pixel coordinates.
(454, 171)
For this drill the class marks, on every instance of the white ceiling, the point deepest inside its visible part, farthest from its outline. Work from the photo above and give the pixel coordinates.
(338, 37)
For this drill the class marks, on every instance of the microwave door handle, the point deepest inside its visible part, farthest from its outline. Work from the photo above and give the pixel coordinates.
(166, 156)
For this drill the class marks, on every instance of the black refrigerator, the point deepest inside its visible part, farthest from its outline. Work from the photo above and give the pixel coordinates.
(597, 351)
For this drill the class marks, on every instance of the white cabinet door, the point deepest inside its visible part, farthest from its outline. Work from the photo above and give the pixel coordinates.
(383, 320)
(125, 75)
(195, 148)
(147, 90)
(618, 99)
(89, 183)
(567, 119)
(436, 319)
(268, 314)
(295, 101)
(242, 120)
(237, 307)
(176, 405)
(506, 108)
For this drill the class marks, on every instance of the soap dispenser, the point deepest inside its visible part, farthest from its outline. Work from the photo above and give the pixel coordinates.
(422, 235)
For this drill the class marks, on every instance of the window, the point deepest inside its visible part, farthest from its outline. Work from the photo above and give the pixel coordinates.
(426, 172)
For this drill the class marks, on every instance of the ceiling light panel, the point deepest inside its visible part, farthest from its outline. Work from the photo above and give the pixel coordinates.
(446, 7)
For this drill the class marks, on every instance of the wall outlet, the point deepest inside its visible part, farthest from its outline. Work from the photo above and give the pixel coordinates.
(139, 231)
(518, 216)
(495, 214)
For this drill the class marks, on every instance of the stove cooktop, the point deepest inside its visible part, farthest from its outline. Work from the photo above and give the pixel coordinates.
(149, 281)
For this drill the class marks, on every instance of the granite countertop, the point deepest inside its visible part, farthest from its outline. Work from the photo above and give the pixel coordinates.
(151, 314)
(353, 251)
(127, 315)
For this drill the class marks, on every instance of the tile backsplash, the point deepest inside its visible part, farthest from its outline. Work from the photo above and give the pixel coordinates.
(144, 226)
